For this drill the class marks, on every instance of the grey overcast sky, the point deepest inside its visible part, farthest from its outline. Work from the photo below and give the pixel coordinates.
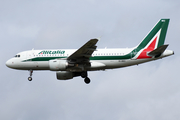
(148, 91)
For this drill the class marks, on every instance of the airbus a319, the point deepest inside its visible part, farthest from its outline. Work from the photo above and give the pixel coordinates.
(69, 63)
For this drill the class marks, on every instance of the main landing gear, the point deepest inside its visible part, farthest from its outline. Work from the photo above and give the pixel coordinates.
(30, 72)
(86, 79)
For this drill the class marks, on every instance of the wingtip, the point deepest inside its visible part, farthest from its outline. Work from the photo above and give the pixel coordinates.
(98, 38)
(95, 39)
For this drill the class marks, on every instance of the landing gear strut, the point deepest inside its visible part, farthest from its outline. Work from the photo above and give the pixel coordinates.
(86, 79)
(84, 74)
(30, 72)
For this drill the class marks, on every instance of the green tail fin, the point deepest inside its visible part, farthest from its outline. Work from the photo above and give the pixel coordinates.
(157, 34)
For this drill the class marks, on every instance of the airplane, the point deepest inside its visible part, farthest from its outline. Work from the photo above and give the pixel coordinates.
(70, 63)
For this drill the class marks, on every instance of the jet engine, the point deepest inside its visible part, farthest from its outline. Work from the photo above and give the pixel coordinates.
(64, 75)
(56, 65)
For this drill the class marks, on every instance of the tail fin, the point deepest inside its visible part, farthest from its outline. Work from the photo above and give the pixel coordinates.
(153, 40)
(156, 36)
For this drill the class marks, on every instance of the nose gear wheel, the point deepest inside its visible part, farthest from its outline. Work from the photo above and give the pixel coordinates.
(30, 73)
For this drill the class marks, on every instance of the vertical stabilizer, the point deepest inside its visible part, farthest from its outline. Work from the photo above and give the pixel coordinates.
(156, 36)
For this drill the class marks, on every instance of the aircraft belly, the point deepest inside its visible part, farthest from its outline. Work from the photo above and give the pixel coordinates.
(112, 64)
(108, 64)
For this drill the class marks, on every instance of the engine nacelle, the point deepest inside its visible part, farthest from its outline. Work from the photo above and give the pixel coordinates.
(56, 65)
(64, 75)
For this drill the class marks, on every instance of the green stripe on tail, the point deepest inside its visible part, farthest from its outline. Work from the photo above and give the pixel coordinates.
(163, 25)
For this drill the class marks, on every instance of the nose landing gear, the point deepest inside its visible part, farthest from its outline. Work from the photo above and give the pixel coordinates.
(30, 72)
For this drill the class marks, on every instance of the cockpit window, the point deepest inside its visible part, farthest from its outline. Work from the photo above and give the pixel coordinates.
(17, 56)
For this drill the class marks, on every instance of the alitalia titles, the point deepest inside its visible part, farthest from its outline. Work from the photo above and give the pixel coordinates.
(52, 52)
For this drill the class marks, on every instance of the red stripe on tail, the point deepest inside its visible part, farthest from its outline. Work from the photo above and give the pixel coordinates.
(150, 48)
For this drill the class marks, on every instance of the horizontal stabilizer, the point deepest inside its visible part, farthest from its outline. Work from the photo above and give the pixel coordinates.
(158, 51)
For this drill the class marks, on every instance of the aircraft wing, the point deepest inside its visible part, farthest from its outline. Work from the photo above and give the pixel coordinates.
(84, 53)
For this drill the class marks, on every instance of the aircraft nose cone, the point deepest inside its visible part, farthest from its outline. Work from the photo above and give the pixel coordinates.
(9, 63)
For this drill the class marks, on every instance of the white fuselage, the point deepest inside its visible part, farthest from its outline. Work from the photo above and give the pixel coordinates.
(101, 59)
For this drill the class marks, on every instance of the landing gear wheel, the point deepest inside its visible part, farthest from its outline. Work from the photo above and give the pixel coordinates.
(30, 78)
(87, 80)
